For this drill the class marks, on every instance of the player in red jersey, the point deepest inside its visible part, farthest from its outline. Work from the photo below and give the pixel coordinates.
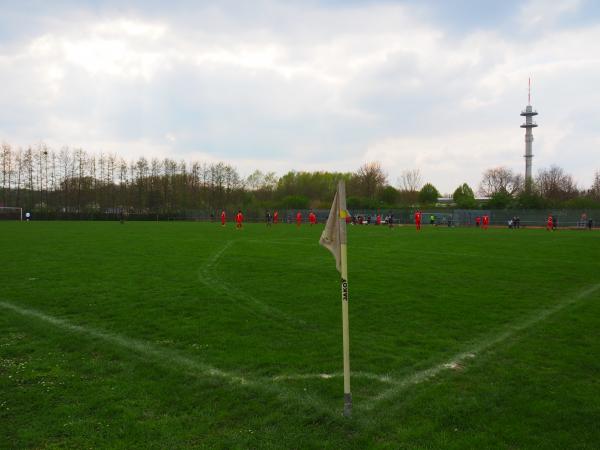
(223, 218)
(378, 219)
(418, 219)
(312, 218)
(486, 221)
(298, 219)
(275, 217)
(239, 219)
(549, 223)
(477, 221)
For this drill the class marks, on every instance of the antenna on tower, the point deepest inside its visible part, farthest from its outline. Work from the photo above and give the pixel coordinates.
(529, 92)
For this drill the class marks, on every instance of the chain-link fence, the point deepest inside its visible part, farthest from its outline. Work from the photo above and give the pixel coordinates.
(439, 216)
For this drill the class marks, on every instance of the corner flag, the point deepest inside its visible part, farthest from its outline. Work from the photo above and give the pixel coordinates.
(334, 239)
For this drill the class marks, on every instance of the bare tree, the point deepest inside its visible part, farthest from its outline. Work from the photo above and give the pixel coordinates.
(555, 184)
(255, 180)
(370, 178)
(499, 179)
(6, 157)
(410, 180)
(20, 168)
(595, 189)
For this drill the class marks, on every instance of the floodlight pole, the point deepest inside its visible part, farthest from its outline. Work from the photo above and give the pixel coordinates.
(344, 283)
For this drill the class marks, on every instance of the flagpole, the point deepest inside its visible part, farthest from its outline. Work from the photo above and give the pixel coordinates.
(344, 285)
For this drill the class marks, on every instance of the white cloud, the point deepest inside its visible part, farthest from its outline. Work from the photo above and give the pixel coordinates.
(307, 87)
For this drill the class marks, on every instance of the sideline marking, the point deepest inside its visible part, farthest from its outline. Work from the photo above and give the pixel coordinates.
(459, 360)
(169, 358)
(208, 276)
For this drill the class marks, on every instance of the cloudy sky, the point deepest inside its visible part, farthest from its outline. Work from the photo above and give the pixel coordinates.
(308, 85)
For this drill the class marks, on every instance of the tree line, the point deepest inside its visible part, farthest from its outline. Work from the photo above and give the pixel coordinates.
(75, 182)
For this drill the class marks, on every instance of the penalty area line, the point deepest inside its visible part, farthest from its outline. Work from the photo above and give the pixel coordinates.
(460, 359)
(169, 358)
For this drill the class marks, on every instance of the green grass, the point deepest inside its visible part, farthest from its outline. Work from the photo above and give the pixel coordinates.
(182, 335)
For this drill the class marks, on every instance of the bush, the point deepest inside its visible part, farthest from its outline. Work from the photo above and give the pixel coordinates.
(500, 200)
(295, 202)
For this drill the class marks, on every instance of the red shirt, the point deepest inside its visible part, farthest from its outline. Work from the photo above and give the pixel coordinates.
(239, 218)
(418, 217)
(477, 219)
(275, 217)
(299, 217)
(486, 220)
(312, 218)
(378, 219)
(223, 216)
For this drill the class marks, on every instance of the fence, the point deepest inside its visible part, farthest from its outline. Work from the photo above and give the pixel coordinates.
(443, 216)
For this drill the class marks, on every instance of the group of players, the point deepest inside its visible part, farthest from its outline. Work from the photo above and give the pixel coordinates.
(270, 219)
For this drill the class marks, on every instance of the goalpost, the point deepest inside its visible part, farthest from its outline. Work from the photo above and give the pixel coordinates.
(11, 213)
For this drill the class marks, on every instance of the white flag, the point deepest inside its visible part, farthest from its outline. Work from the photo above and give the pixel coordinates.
(334, 234)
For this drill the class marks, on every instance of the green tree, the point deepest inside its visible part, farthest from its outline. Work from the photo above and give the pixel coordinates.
(428, 194)
(500, 200)
(464, 197)
(389, 195)
(295, 202)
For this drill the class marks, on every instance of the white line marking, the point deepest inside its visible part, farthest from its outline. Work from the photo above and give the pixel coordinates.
(209, 277)
(459, 360)
(326, 376)
(169, 358)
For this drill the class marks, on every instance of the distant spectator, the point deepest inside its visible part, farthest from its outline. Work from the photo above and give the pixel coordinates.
(590, 224)
(554, 222)
(432, 220)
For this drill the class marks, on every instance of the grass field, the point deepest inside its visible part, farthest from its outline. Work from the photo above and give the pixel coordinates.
(175, 335)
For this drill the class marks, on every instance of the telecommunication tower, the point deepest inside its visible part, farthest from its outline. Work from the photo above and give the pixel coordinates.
(529, 124)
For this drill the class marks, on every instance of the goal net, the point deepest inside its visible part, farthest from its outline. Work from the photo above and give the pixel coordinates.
(11, 213)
